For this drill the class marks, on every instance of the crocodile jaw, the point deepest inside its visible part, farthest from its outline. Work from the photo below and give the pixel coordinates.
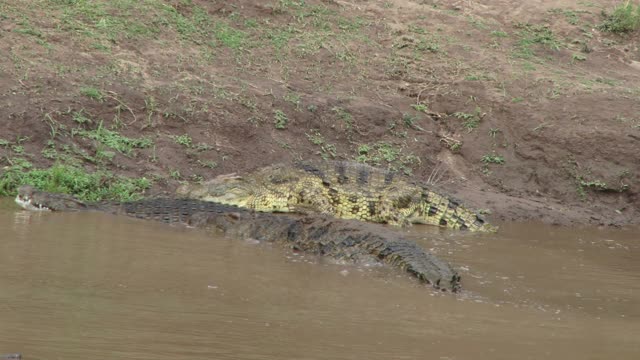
(28, 204)
(228, 199)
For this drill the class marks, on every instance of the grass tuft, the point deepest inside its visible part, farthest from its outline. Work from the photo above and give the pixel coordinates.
(624, 18)
(73, 180)
(92, 93)
(114, 140)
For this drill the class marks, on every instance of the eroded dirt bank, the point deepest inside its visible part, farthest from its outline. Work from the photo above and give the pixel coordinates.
(525, 110)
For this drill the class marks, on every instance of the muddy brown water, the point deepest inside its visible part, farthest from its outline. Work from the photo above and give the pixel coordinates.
(95, 286)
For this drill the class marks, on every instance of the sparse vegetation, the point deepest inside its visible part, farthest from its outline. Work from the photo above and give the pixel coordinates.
(114, 140)
(207, 164)
(624, 18)
(493, 159)
(420, 107)
(327, 151)
(280, 119)
(92, 93)
(470, 121)
(345, 116)
(530, 35)
(93, 80)
(184, 140)
(388, 155)
(80, 118)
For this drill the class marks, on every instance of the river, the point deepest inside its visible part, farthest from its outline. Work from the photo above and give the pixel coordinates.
(97, 286)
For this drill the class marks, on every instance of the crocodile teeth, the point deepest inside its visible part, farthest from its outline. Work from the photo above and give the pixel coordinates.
(28, 204)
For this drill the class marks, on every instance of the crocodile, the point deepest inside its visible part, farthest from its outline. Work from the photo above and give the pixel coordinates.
(343, 189)
(343, 240)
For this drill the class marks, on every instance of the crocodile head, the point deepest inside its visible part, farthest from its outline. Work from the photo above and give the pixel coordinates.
(225, 189)
(26, 201)
(264, 191)
(29, 198)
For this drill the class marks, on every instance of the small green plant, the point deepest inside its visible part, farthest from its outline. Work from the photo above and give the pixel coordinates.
(230, 37)
(207, 164)
(428, 45)
(175, 174)
(315, 137)
(345, 116)
(196, 178)
(499, 34)
(326, 150)
(293, 98)
(49, 151)
(494, 132)
(102, 155)
(420, 107)
(493, 159)
(470, 121)
(578, 57)
(80, 118)
(410, 122)
(203, 147)
(184, 140)
(280, 120)
(595, 184)
(455, 147)
(463, 115)
(92, 93)
(624, 18)
(364, 149)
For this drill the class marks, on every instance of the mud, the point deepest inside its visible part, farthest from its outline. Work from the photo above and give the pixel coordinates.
(564, 121)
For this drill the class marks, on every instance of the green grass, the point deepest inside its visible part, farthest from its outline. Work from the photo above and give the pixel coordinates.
(470, 120)
(114, 140)
(345, 116)
(92, 93)
(383, 153)
(73, 180)
(499, 34)
(80, 118)
(326, 150)
(420, 107)
(531, 35)
(492, 159)
(315, 137)
(184, 140)
(280, 120)
(624, 18)
(293, 98)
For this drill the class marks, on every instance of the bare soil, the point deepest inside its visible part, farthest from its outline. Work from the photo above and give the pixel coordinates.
(523, 109)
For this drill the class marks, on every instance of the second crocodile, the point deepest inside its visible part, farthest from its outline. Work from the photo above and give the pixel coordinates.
(343, 189)
(316, 234)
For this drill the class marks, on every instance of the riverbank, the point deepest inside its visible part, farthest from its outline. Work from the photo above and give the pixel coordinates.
(525, 111)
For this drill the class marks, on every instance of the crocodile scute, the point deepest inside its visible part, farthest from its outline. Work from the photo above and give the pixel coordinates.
(345, 190)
